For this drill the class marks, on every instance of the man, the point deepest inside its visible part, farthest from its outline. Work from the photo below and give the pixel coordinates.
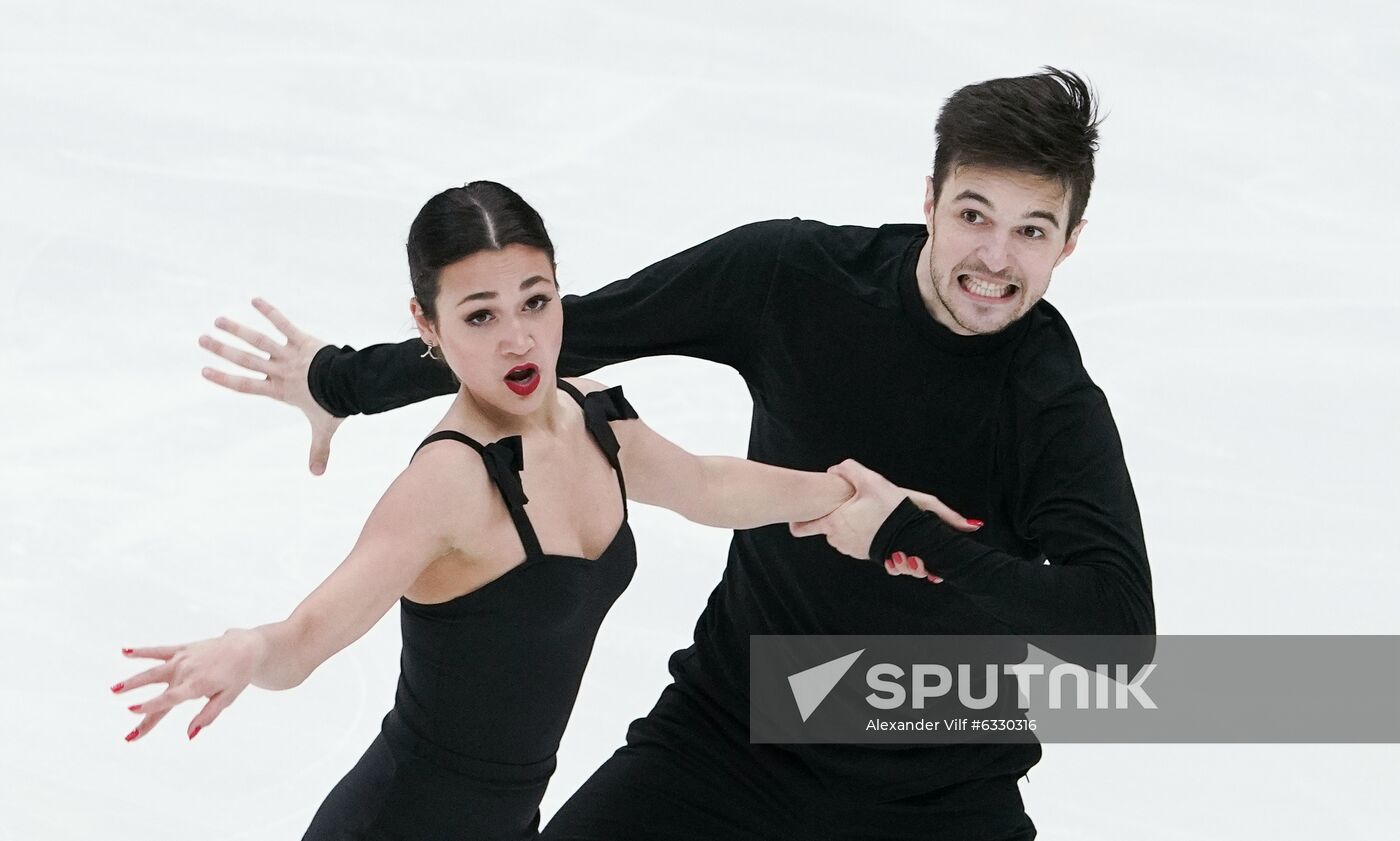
(924, 352)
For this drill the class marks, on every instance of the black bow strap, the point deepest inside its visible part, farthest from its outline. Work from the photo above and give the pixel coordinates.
(504, 460)
(600, 407)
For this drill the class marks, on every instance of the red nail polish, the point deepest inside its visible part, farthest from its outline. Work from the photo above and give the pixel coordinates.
(195, 732)
(132, 734)
(118, 687)
(136, 708)
(975, 523)
(127, 650)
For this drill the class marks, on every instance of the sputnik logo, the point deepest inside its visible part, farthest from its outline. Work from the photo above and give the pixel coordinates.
(811, 686)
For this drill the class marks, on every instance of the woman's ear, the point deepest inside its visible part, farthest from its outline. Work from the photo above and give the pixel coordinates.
(425, 327)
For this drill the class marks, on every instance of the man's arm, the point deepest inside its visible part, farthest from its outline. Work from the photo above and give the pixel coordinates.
(381, 377)
(1075, 501)
(704, 302)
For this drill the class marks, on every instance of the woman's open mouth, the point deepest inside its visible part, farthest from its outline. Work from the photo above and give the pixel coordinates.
(523, 379)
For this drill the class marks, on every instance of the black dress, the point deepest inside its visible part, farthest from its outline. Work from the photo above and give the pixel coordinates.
(488, 679)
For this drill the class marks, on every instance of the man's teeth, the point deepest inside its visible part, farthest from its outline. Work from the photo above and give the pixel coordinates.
(987, 290)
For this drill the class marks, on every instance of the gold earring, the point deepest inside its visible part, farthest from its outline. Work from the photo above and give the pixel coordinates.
(428, 354)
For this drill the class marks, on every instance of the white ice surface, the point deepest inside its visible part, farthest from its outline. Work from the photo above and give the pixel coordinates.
(1235, 294)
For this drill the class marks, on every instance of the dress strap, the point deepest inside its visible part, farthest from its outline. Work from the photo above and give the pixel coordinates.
(600, 408)
(504, 459)
(572, 391)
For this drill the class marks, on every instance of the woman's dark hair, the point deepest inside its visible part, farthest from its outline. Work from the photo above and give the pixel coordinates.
(461, 221)
(1046, 125)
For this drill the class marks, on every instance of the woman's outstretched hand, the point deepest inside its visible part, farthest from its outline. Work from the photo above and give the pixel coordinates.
(284, 371)
(218, 669)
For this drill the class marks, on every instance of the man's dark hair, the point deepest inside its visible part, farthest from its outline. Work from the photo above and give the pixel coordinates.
(461, 221)
(1046, 124)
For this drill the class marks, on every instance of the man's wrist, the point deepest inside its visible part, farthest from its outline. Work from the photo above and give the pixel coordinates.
(883, 544)
(316, 378)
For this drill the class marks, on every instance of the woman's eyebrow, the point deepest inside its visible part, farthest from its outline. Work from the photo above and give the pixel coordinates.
(524, 284)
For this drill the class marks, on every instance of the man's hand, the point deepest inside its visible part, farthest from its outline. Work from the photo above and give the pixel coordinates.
(850, 528)
(284, 371)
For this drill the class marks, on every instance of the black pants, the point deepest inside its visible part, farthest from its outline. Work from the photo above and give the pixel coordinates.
(688, 772)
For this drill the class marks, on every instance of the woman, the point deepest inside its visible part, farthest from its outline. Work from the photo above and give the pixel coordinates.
(505, 541)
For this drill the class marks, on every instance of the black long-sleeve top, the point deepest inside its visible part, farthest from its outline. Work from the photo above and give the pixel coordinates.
(843, 360)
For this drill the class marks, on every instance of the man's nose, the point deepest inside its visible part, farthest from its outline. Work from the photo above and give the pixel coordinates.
(996, 252)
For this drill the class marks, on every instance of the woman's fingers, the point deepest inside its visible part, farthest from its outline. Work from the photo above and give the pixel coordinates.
(916, 567)
(165, 701)
(901, 564)
(218, 702)
(155, 652)
(185, 684)
(158, 674)
(147, 724)
(280, 321)
(928, 502)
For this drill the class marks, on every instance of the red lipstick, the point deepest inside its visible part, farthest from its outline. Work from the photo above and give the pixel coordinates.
(523, 379)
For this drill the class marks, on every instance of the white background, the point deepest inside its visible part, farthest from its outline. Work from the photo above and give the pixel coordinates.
(160, 163)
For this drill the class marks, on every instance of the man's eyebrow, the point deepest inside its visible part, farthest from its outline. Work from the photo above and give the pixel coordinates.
(1034, 214)
(969, 194)
(1046, 215)
(524, 284)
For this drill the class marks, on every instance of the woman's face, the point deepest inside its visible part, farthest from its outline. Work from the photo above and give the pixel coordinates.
(500, 325)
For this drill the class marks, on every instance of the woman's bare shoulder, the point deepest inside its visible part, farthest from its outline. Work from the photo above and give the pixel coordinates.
(446, 483)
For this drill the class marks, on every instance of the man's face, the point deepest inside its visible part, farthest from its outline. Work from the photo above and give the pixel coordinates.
(995, 235)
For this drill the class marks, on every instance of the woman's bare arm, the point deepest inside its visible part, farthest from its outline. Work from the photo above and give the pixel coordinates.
(718, 491)
(416, 522)
(423, 515)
